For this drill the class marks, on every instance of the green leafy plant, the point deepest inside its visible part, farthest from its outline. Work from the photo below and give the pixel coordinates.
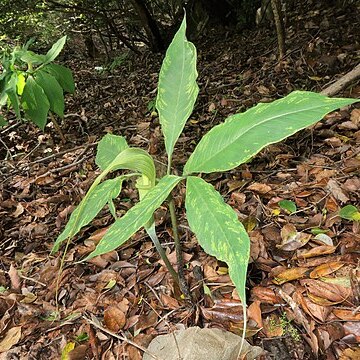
(34, 84)
(224, 147)
(350, 212)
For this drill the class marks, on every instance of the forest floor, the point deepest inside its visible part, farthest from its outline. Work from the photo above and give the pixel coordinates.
(304, 275)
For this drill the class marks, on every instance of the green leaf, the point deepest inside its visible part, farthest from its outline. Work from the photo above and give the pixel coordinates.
(218, 230)
(3, 122)
(177, 89)
(136, 160)
(130, 159)
(136, 217)
(63, 75)
(242, 136)
(53, 91)
(11, 92)
(109, 147)
(350, 212)
(288, 205)
(89, 207)
(21, 81)
(31, 58)
(35, 103)
(52, 54)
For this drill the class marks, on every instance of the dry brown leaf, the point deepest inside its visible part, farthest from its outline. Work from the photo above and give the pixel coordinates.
(326, 269)
(350, 354)
(272, 326)
(114, 318)
(321, 301)
(315, 310)
(259, 188)
(79, 353)
(170, 302)
(317, 251)
(289, 275)
(331, 292)
(19, 210)
(355, 117)
(345, 314)
(292, 239)
(14, 278)
(11, 338)
(336, 191)
(254, 312)
(265, 295)
(211, 107)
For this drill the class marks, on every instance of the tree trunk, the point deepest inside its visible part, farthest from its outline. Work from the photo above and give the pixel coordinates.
(279, 24)
(149, 25)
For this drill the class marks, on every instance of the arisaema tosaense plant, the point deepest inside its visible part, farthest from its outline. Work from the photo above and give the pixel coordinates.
(33, 83)
(223, 148)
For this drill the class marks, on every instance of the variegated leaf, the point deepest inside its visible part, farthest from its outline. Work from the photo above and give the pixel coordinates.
(137, 217)
(242, 136)
(109, 147)
(131, 159)
(218, 230)
(89, 207)
(177, 89)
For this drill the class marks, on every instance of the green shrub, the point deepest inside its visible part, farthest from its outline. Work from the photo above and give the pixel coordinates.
(33, 83)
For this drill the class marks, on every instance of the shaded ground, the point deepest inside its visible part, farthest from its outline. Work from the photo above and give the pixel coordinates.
(303, 288)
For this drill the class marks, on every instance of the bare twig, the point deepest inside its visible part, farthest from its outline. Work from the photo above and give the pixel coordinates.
(120, 337)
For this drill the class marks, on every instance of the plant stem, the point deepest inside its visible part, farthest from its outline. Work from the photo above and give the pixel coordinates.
(57, 127)
(184, 287)
(152, 233)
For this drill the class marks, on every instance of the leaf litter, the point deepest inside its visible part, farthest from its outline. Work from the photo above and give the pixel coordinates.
(304, 276)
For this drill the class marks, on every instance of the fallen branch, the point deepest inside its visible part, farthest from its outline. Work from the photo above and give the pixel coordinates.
(343, 82)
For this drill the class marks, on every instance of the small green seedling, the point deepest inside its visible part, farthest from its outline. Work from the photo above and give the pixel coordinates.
(34, 84)
(350, 212)
(223, 148)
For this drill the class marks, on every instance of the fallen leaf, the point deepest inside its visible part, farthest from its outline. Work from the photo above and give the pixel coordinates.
(326, 269)
(345, 314)
(114, 318)
(289, 275)
(336, 191)
(272, 326)
(254, 312)
(14, 278)
(315, 310)
(355, 117)
(350, 354)
(259, 188)
(11, 338)
(292, 239)
(65, 353)
(19, 210)
(265, 295)
(323, 239)
(331, 292)
(317, 251)
(321, 301)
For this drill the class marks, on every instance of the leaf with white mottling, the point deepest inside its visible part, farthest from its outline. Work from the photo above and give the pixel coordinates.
(243, 135)
(131, 159)
(109, 147)
(218, 230)
(137, 217)
(89, 207)
(177, 89)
